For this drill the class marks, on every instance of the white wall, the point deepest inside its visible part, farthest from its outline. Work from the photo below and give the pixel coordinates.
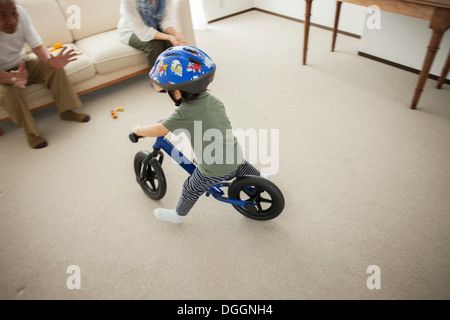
(401, 39)
(352, 18)
(322, 12)
(215, 9)
(404, 40)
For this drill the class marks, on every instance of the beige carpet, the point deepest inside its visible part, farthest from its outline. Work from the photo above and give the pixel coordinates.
(366, 182)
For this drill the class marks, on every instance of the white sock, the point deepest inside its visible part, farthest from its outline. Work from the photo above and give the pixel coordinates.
(169, 215)
(265, 176)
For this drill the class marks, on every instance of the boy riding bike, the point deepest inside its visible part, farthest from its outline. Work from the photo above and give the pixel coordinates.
(185, 73)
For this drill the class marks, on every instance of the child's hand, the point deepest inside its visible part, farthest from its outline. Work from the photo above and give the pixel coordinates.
(136, 130)
(151, 130)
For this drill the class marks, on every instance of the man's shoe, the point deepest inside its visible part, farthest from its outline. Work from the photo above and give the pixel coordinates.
(36, 142)
(74, 116)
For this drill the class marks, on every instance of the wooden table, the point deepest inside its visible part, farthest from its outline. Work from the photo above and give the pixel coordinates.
(436, 11)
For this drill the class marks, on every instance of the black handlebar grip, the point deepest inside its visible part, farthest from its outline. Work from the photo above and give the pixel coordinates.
(134, 137)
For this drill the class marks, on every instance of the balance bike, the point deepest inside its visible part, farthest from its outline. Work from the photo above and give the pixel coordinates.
(254, 197)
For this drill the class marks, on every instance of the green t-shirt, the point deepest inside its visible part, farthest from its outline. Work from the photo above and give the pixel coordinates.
(205, 122)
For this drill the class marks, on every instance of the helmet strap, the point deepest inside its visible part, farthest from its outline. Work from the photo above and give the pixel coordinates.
(172, 96)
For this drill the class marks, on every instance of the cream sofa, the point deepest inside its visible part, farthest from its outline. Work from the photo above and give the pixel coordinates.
(91, 25)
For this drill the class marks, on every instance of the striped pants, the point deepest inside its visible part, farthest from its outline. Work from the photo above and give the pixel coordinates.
(197, 184)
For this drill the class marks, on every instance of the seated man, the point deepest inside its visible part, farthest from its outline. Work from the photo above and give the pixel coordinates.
(17, 70)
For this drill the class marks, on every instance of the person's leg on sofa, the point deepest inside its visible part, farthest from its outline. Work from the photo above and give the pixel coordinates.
(13, 101)
(152, 48)
(57, 82)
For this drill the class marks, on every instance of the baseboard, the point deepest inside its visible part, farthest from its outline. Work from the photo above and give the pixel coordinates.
(231, 15)
(284, 17)
(398, 65)
(311, 23)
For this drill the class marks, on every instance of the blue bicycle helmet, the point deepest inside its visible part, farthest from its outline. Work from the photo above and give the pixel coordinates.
(184, 68)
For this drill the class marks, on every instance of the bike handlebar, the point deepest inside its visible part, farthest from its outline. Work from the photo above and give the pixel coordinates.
(134, 137)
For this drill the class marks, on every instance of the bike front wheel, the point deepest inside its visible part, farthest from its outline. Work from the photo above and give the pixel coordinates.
(267, 198)
(150, 175)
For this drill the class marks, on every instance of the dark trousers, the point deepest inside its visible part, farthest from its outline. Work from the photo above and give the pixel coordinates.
(152, 48)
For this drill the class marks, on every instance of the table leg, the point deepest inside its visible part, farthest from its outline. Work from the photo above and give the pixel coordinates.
(439, 24)
(444, 72)
(336, 23)
(307, 22)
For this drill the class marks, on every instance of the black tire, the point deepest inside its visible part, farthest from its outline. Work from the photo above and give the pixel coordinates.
(150, 176)
(268, 198)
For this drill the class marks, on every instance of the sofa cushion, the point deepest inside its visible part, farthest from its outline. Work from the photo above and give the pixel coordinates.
(96, 16)
(80, 69)
(48, 20)
(108, 53)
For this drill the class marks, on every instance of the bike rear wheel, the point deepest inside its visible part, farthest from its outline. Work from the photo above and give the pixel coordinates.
(267, 197)
(150, 175)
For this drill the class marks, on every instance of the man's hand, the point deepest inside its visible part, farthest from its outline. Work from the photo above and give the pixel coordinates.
(20, 77)
(57, 62)
(64, 57)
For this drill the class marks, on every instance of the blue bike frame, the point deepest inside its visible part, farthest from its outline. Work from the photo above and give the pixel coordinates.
(164, 144)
